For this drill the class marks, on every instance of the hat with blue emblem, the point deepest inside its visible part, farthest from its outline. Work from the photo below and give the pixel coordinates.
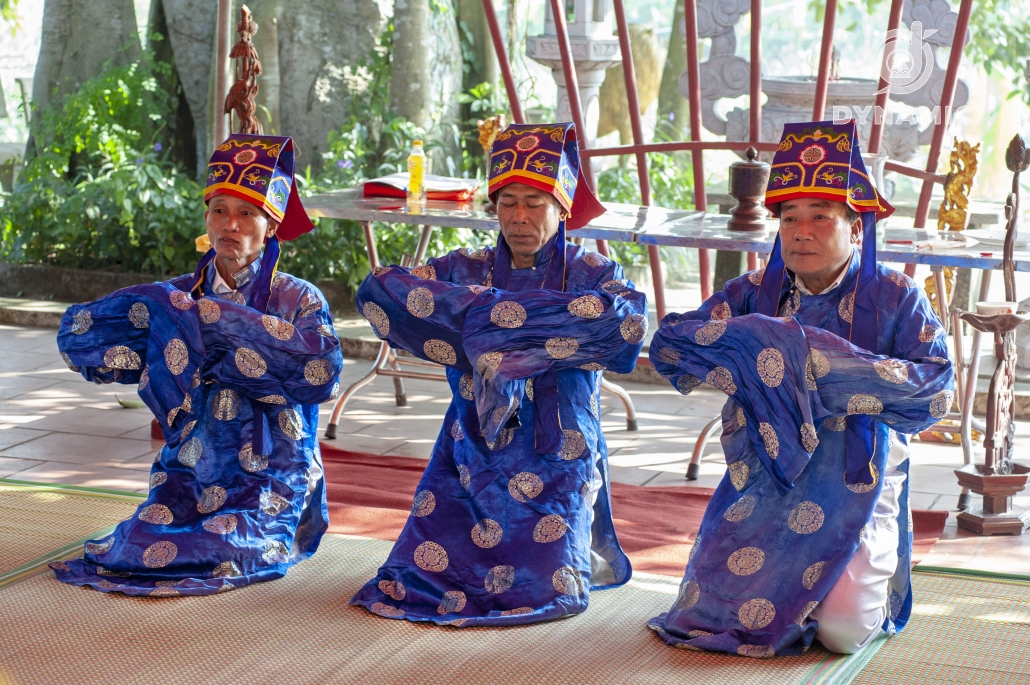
(259, 169)
(546, 157)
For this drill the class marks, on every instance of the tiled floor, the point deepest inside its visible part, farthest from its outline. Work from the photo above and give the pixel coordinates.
(56, 427)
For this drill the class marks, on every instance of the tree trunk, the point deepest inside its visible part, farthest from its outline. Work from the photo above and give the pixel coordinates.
(320, 42)
(179, 135)
(267, 15)
(78, 40)
(673, 109)
(191, 36)
(409, 77)
(484, 69)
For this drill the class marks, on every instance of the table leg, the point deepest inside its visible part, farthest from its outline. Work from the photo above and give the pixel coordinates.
(694, 467)
(654, 256)
(704, 261)
(752, 261)
(384, 352)
(423, 243)
(400, 397)
(620, 392)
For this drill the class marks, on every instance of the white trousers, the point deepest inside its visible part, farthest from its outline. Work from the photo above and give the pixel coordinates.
(854, 609)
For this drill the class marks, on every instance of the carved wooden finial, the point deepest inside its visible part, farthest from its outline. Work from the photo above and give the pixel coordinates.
(241, 96)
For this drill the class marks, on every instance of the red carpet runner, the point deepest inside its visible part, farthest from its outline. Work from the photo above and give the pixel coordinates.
(370, 496)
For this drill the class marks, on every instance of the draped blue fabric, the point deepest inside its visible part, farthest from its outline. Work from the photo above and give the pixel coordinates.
(786, 519)
(234, 379)
(511, 522)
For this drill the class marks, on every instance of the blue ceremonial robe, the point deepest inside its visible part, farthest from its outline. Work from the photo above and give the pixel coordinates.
(511, 522)
(786, 518)
(236, 494)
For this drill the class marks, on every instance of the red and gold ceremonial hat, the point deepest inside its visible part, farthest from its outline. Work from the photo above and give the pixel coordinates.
(259, 169)
(544, 156)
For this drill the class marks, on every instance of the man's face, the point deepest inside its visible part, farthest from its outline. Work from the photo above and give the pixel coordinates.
(816, 237)
(236, 228)
(529, 218)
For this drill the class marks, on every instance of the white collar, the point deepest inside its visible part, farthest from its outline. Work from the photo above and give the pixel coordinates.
(218, 284)
(840, 277)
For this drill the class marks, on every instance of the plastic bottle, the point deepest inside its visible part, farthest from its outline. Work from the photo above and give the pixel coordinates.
(416, 174)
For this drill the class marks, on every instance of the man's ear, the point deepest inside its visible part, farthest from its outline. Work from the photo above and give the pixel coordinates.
(273, 226)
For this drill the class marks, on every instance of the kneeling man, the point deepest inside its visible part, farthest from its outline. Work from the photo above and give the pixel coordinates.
(512, 521)
(829, 360)
(233, 360)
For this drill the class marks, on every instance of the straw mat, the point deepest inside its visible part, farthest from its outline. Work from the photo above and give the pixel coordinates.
(38, 521)
(300, 629)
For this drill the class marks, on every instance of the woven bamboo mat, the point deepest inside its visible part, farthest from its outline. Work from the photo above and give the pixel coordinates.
(300, 629)
(39, 521)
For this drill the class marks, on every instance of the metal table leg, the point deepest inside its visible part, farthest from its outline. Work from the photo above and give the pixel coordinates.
(694, 468)
(330, 430)
(620, 392)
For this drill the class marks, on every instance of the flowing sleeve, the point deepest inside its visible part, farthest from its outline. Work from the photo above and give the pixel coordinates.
(413, 311)
(514, 336)
(787, 377)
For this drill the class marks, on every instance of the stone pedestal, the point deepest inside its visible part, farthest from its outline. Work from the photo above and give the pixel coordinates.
(594, 49)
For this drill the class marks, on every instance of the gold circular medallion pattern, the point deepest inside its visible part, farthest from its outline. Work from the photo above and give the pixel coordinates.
(226, 569)
(423, 504)
(121, 357)
(892, 370)
(615, 286)
(272, 503)
(710, 332)
(721, 311)
(740, 510)
(139, 315)
(171, 416)
(487, 533)
(290, 424)
(633, 328)
(426, 272)
(756, 277)
(420, 302)
(836, 423)
(741, 418)
(770, 366)
(572, 445)
(157, 478)
(517, 611)
(720, 378)
(756, 651)
(769, 437)
(746, 561)
(812, 574)
(380, 270)
(160, 554)
(157, 514)
(278, 328)
(550, 528)
(940, 405)
(464, 477)
(250, 462)
(561, 348)
(530, 389)
(900, 279)
(430, 556)
(669, 355)
(457, 434)
(440, 352)
(846, 308)
(394, 589)
(176, 356)
(864, 404)
(188, 428)
(225, 405)
(928, 333)
(272, 399)
(100, 547)
(806, 518)
(209, 310)
(499, 578)
(386, 611)
(686, 384)
(211, 498)
(757, 613)
(190, 452)
(805, 611)
(275, 553)
(375, 315)
(163, 592)
(863, 488)
(144, 378)
(250, 363)
(81, 322)
(508, 314)
(180, 300)
(488, 363)
(567, 581)
(594, 259)
(453, 601)
(739, 472)
(688, 594)
(221, 524)
(525, 485)
(586, 307)
(465, 387)
(816, 367)
(326, 331)
(591, 366)
(809, 437)
(317, 372)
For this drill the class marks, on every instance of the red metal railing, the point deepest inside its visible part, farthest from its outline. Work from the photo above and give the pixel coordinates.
(695, 145)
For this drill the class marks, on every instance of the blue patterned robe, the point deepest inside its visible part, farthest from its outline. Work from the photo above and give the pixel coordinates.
(511, 522)
(220, 513)
(786, 518)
